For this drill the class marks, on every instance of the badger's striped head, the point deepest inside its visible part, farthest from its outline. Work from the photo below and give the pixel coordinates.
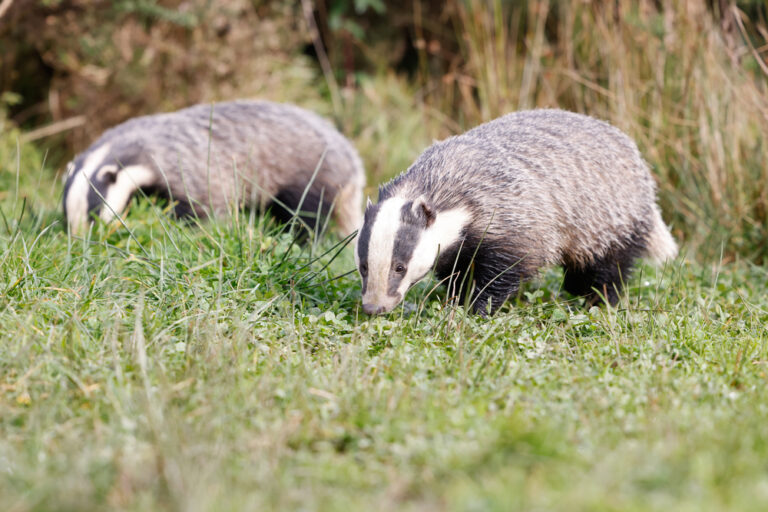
(397, 246)
(99, 183)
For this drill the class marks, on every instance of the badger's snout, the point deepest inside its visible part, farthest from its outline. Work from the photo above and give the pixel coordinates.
(376, 307)
(373, 309)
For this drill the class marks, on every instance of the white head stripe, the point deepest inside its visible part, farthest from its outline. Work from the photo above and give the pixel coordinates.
(382, 242)
(76, 202)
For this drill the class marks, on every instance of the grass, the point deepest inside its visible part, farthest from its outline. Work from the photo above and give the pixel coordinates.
(221, 367)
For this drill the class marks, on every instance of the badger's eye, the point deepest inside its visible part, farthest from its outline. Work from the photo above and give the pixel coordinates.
(400, 268)
(363, 269)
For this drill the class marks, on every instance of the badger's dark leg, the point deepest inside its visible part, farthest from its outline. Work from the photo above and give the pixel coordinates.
(601, 279)
(480, 293)
(605, 276)
(314, 203)
(482, 279)
(492, 288)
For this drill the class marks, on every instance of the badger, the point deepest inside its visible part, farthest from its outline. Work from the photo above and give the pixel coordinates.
(208, 158)
(487, 209)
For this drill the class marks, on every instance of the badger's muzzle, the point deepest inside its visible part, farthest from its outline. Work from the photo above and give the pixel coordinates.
(373, 309)
(371, 306)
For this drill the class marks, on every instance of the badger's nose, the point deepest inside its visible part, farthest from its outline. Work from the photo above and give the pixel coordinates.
(372, 309)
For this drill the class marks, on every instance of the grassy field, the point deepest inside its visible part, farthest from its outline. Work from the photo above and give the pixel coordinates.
(223, 367)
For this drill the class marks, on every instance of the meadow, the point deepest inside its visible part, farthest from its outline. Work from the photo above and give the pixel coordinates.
(222, 366)
(158, 365)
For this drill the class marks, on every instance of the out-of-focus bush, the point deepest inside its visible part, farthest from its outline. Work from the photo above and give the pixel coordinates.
(110, 60)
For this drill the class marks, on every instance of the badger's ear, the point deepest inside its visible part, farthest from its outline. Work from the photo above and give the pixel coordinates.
(108, 173)
(424, 211)
(368, 203)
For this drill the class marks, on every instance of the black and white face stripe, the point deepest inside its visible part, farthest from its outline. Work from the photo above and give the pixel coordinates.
(397, 247)
(363, 239)
(104, 178)
(77, 190)
(411, 228)
(98, 179)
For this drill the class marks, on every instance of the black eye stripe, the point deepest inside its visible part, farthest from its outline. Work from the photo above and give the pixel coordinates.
(364, 238)
(101, 181)
(406, 239)
(94, 201)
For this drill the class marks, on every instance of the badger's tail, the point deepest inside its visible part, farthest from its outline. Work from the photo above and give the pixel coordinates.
(660, 245)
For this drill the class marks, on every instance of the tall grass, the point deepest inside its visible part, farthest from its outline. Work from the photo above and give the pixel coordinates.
(694, 100)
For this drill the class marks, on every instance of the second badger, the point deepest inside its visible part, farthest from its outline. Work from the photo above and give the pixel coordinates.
(209, 158)
(488, 208)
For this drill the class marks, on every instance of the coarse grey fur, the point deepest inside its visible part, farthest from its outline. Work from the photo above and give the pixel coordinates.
(208, 158)
(530, 189)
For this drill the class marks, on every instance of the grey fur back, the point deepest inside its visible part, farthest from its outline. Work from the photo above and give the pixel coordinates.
(563, 186)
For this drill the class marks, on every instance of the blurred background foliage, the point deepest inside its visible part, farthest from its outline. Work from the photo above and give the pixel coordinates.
(687, 79)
